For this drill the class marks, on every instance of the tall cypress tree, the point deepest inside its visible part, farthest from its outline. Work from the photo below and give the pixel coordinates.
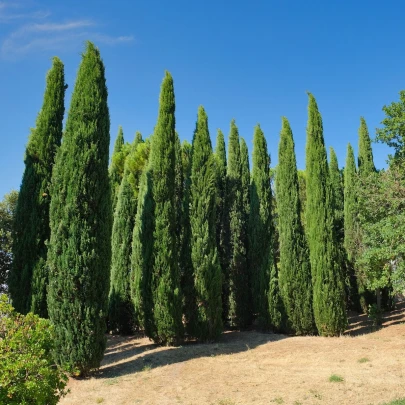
(295, 270)
(328, 284)
(142, 256)
(222, 219)
(120, 307)
(29, 277)
(238, 277)
(365, 168)
(166, 276)
(116, 169)
(80, 218)
(185, 262)
(365, 160)
(337, 190)
(204, 253)
(358, 295)
(260, 227)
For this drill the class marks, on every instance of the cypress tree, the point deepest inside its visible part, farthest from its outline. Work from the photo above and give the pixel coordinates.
(185, 263)
(238, 277)
(338, 197)
(116, 170)
(350, 205)
(244, 155)
(365, 160)
(327, 277)
(222, 220)
(295, 270)
(80, 218)
(120, 307)
(167, 297)
(29, 277)
(142, 257)
(260, 227)
(365, 168)
(204, 254)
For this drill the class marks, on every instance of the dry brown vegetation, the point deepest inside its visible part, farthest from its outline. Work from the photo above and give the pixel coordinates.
(362, 367)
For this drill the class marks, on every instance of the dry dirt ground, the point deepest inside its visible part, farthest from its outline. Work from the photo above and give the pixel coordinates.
(254, 368)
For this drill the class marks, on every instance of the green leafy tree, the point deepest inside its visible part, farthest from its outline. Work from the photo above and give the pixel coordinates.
(239, 313)
(381, 199)
(29, 277)
(392, 132)
(80, 245)
(223, 241)
(166, 290)
(204, 254)
(7, 211)
(295, 269)
(28, 374)
(327, 276)
(260, 227)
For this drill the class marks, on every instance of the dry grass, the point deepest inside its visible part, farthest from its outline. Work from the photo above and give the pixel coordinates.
(254, 368)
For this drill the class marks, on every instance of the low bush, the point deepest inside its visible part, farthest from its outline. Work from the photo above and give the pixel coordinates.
(28, 374)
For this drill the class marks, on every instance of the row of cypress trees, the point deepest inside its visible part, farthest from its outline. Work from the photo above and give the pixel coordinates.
(174, 238)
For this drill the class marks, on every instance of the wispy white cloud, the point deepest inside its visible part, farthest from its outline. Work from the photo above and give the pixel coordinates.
(11, 12)
(37, 34)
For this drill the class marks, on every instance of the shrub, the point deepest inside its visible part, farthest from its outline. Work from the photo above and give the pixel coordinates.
(28, 374)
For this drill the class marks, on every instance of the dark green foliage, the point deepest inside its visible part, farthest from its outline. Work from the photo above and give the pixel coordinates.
(167, 297)
(295, 270)
(357, 293)
(239, 313)
(120, 313)
(327, 277)
(338, 198)
(120, 307)
(365, 160)
(185, 263)
(222, 220)
(277, 312)
(302, 185)
(7, 212)
(80, 213)
(260, 227)
(244, 155)
(29, 278)
(204, 254)
(350, 205)
(142, 257)
(116, 170)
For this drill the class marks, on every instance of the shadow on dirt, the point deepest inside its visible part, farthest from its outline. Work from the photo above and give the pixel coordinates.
(133, 357)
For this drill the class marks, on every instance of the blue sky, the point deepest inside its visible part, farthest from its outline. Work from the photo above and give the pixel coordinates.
(248, 60)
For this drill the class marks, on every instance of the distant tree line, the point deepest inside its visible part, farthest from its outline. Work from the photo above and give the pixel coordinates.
(181, 240)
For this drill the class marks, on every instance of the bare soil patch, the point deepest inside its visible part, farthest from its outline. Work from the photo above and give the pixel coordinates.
(254, 368)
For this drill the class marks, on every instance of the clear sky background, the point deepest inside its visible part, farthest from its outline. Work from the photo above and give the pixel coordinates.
(249, 60)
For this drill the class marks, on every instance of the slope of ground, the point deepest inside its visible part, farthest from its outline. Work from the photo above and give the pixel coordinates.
(254, 368)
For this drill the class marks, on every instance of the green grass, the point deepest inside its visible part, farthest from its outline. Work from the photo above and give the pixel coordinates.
(278, 400)
(363, 360)
(336, 378)
(396, 402)
(99, 400)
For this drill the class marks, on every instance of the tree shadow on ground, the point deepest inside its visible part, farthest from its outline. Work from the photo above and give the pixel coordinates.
(136, 357)
(360, 324)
